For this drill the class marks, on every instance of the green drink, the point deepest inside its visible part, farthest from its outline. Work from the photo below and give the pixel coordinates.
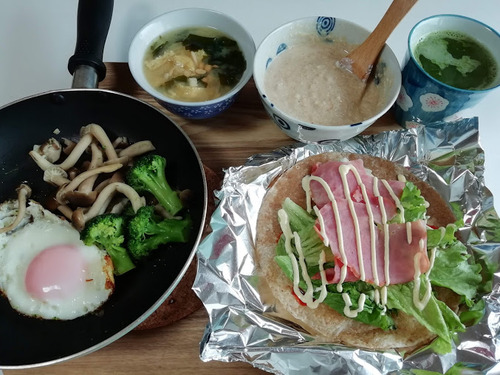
(457, 60)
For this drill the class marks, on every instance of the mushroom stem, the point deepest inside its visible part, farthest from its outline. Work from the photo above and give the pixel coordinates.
(84, 175)
(76, 153)
(137, 148)
(70, 161)
(79, 217)
(73, 184)
(23, 193)
(116, 177)
(96, 161)
(65, 210)
(108, 192)
(98, 132)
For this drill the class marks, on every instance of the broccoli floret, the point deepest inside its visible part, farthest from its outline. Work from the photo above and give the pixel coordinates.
(148, 175)
(107, 232)
(148, 230)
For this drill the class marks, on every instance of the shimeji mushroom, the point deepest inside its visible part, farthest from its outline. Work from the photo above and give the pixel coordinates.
(67, 194)
(50, 150)
(23, 193)
(98, 133)
(81, 216)
(84, 194)
(56, 176)
(70, 161)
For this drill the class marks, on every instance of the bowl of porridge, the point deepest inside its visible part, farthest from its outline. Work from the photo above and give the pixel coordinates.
(193, 61)
(307, 94)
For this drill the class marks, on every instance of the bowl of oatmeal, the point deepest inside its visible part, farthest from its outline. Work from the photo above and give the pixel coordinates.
(193, 61)
(307, 94)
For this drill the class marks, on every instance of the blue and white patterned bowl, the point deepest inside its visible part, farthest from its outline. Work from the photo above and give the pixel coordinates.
(190, 17)
(284, 37)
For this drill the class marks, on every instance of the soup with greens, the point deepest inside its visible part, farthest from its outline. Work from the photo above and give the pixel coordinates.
(194, 64)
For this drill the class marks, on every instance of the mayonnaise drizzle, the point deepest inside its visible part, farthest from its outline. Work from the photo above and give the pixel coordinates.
(343, 170)
(348, 303)
(422, 303)
(380, 294)
(306, 297)
(306, 185)
(409, 236)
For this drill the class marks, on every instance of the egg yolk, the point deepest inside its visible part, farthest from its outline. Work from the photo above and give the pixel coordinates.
(57, 272)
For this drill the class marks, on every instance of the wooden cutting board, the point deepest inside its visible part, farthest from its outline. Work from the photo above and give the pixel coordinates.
(226, 140)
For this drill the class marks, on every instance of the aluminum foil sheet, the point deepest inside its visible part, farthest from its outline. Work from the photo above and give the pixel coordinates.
(447, 155)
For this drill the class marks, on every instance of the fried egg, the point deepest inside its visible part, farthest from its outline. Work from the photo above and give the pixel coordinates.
(46, 271)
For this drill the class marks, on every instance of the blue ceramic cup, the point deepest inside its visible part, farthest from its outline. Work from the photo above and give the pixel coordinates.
(423, 98)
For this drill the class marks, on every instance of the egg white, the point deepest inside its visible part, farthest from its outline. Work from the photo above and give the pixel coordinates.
(39, 230)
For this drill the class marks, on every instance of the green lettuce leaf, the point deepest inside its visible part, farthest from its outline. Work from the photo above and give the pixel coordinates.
(453, 265)
(413, 203)
(372, 313)
(437, 317)
(474, 314)
(452, 270)
(303, 223)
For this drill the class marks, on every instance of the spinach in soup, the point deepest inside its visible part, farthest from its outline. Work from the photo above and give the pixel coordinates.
(194, 64)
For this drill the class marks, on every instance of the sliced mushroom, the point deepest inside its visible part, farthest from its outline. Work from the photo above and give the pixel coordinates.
(80, 216)
(23, 193)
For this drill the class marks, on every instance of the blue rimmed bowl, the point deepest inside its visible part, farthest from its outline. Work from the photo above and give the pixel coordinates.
(332, 28)
(185, 18)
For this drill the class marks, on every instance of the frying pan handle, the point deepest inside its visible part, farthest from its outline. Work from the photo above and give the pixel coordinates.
(86, 66)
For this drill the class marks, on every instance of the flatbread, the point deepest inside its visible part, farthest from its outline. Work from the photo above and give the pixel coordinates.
(324, 322)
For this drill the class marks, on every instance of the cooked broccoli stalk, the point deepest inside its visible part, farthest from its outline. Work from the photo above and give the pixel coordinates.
(147, 230)
(148, 175)
(107, 232)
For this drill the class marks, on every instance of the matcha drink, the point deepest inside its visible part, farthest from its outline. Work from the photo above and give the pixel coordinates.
(457, 60)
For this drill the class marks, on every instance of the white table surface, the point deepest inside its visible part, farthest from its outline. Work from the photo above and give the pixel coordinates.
(37, 38)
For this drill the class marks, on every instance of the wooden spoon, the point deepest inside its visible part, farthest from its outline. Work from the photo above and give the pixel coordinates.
(361, 60)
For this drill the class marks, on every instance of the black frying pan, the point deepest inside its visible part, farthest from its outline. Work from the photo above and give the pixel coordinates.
(27, 342)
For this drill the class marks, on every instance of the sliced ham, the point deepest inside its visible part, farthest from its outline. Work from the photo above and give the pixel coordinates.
(333, 274)
(330, 173)
(401, 253)
(371, 229)
(349, 243)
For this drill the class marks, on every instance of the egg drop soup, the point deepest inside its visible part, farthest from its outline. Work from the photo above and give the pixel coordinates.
(194, 64)
(305, 82)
